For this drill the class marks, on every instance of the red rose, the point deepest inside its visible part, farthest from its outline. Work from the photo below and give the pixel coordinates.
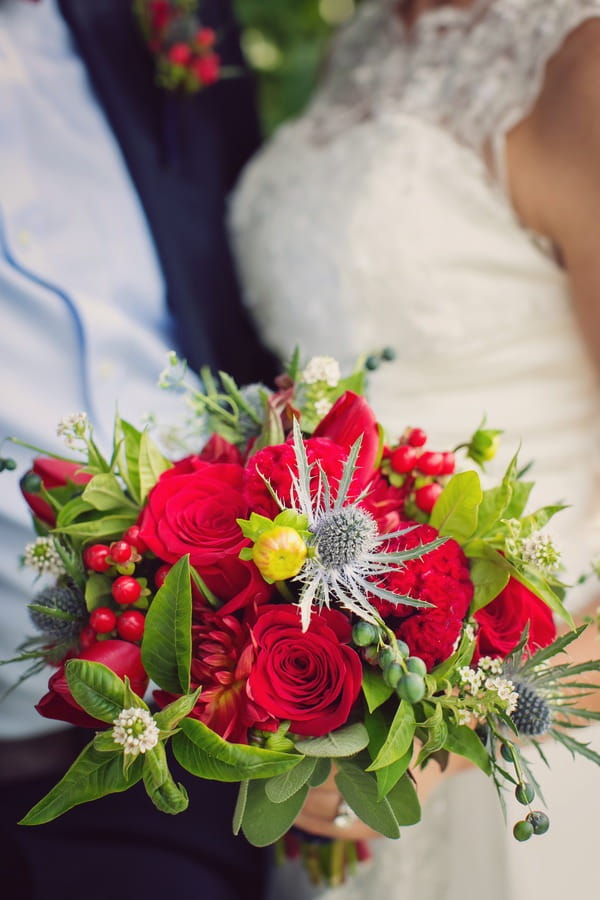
(239, 584)
(217, 449)
(277, 463)
(54, 473)
(311, 678)
(351, 418)
(502, 622)
(193, 509)
(385, 503)
(122, 657)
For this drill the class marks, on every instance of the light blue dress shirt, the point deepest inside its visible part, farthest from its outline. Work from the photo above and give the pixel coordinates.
(83, 318)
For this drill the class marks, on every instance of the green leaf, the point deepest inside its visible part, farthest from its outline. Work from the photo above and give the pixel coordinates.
(537, 520)
(399, 737)
(520, 495)
(489, 578)
(494, 503)
(263, 821)
(456, 509)
(375, 689)
(436, 733)
(404, 802)
(127, 441)
(97, 590)
(71, 512)
(167, 641)
(93, 774)
(151, 465)
(96, 688)
(343, 742)
(388, 776)
(463, 741)
(167, 796)
(321, 772)
(206, 754)
(359, 790)
(104, 493)
(107, 528)
(284, 786)
(240, 807)
(170, 716)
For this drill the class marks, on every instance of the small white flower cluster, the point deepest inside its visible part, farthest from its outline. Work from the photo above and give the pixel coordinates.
(539, 550)
(43, 557)
(173, 374)
(73, 429)
(505, 690)
(323, 406)
(136, 730)
(322, 368)
(486, 678)
(490, 664)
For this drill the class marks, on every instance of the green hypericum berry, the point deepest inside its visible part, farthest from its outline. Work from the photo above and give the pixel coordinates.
(523, 830)
(411, 687)
(524, 793)
(392, 674)
(539, 821)
(386, 656)
(506, 752)
(371, 655)
(415, 664)
(364, 634)
(9, 464)
(403, 649)
(372, 363)
(388, 353)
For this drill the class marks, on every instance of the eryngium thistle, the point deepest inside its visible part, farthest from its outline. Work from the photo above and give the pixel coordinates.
(58, 611)
(344, 535)
(532, 715)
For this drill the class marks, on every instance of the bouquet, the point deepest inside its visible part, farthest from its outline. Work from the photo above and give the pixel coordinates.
(308, 596)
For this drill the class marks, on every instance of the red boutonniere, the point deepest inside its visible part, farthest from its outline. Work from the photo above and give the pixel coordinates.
(183, 48)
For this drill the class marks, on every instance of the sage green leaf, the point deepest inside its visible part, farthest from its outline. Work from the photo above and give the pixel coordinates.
(107, 528)
(206, 754)
(105, 493)
(93, 774)
(284, 786)
(359, 790)
(170, 716)
(375, 689)
(167, 641)
(404, 802)
(462, 740)
(127, 441)
(321, 772)
(167, 796)
(151, 465)
(399, 737)
(263, 821)
(489, 578)
(456, 509)
(96, 688)
(344, 742)
(240, 807)
(97, 590)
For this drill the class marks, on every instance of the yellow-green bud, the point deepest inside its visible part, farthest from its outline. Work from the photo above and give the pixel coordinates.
(279, 553)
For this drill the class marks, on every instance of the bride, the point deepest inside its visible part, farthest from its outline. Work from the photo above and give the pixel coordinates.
(442, 194)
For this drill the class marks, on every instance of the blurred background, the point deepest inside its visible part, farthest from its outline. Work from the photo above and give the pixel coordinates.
(285, 43)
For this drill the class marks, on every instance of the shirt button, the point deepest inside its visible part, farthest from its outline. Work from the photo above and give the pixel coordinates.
(106, 369)
(24, 238)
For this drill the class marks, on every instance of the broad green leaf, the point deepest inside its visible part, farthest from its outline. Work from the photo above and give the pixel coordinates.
(520, 495)
(375, 689)
(263, 821)
(167, 796)
(359, 790)
(97, 590)
(104, 742)
(107, 528)
(170, 716)
(167, 641)
(284, 786)
(404, 802)
(489, 578)
(462, 657)
(456, 509)
(240, 807)
(151, 465)
(399, 737)
(93, 774)
(462, 740)
(105, 493)
(206, 754)
(387, 777)
(537, 520)
(494, 503)
(127, 441)
(71, 512)
(321, 772)
(343, 742)
(96, 688)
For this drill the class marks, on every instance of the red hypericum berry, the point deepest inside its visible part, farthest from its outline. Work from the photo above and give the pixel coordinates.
(87, 637)
(206, 37)
(120, 551)
(103, 619)
(126, 590)
(426, 496)
(207, 68)
(180, 54)
(417, 437)
(132, 536)
(430, 463)
(161, 574)
(130, 625)
(94, 557)
(449, 463)
(403, 459)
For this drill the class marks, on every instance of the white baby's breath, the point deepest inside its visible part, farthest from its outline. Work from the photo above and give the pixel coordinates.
(322, 368)
(42, 556)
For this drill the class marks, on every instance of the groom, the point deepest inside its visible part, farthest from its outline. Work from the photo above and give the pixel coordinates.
(112, 250)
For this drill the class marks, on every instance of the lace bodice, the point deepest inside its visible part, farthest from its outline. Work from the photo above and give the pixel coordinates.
(373, 220)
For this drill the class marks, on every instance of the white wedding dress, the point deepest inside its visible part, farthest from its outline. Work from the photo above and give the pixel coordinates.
(373, 220)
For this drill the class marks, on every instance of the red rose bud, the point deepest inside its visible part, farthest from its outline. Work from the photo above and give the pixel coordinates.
(502, 622)
(207, 69)
(122, 657)
(349, 418)
(180, 54)
(53, 473)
